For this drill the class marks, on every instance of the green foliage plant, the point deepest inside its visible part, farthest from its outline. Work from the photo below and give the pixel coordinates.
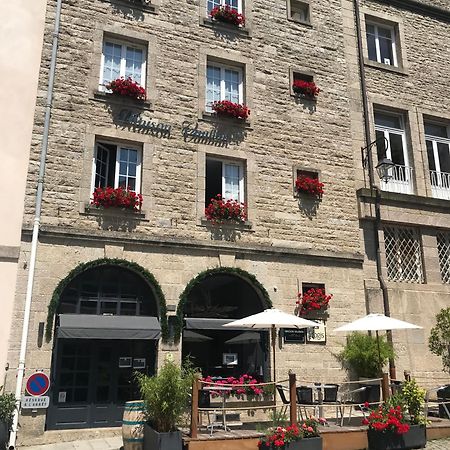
(7, 407)
(439, 341)
(413, 398)
(361, 354)
(166, 395)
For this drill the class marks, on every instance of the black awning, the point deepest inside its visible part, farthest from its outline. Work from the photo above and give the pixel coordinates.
(200, 323)
(88, 326)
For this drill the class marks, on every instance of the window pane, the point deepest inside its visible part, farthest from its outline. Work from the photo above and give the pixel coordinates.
(212, 85)
(387, 56)
(386, 120)
(213, 179)
(111, 68)
(381, 145)
(436, 130)
(431, 163)
(232, 3)
(231, 175)
(212, 4)
(370, 29)
(384, 32)
(232, 86)
(396, 143)
(127, 168)
(444, 157)
(101, 167)
(371, 47)
(133, 65)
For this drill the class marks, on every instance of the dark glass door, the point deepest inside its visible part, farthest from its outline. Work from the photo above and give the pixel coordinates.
(92, 379)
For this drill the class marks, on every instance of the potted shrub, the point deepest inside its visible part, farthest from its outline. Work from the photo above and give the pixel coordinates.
(308, 185)
(116, 198)
(361, 354)
(221, 211)
(399, 423)
(225, 108)
(7, 406)
(227, 14)
(126, 87)
(166, 398)
(306, 89)
(314, 300)
(304, 436)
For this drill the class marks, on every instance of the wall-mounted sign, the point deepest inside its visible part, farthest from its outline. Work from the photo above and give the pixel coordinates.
(230, 359)
(135, 120)
(125, 361)
(139, 363)
(38, 384)
(35, 402)
(294, 335)
(317, 334)
(62, 395)
(191, 133)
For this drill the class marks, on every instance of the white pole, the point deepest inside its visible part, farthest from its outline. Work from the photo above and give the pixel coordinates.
(35, 236)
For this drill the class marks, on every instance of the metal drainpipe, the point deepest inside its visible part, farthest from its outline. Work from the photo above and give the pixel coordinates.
(373, 187)
(36, 225)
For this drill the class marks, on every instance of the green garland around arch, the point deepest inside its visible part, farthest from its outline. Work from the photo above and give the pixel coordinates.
(209, 273)
(54, 302)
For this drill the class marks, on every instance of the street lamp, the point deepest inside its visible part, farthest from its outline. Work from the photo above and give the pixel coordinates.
(384, 169)
(384, 166)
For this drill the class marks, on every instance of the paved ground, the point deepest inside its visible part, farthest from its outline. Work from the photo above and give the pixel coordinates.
(114, 443)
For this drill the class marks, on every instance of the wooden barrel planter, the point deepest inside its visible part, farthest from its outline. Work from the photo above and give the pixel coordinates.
(133, 425)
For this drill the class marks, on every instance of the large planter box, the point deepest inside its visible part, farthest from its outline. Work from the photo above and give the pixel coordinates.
(161, 441)
(306, 444)
(415, 438)
(4, 435)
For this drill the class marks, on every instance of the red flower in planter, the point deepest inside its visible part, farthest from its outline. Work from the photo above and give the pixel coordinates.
(127, 88)
(227, 14)
(308, 185)
(387, 418)
(230, 109)
(305, 88)
(314, 299)
(116, 198)
(222, 211)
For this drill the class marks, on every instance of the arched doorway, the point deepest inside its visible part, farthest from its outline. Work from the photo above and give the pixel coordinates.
(214, 298)
(106, 328)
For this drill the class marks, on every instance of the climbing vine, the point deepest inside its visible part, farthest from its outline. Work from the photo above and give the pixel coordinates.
(151, 280)
(178, 326)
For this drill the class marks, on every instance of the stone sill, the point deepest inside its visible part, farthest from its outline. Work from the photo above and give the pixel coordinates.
(225, 27)
(386, 67)
(300, 22)
(214, 118)
(246, 226)
(306, 196)
(303, 97)
(110, 213)
(104, 97)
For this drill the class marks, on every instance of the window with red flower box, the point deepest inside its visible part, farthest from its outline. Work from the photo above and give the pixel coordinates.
(307, 182)
(227, 14)
(313, 299)
(303, 86)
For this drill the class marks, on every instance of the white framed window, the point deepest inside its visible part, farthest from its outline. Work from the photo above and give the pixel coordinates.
(223, 83)
(235, 4)
(226, 178)
(298, 11)
(382, 43)
(392, 128)
(437, 139)
(403, 248)
(116, 166)
(121, 59)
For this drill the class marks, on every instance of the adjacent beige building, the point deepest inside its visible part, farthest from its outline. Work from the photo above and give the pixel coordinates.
(100, 271)
(21, 35)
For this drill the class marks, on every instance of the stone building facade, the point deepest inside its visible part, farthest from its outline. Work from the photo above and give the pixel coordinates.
(179, 152)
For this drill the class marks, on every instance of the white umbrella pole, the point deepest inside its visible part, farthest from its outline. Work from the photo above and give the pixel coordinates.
(274, 335)
(379, 353)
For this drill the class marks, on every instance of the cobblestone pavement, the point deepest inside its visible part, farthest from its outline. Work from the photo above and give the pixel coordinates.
(114, 443)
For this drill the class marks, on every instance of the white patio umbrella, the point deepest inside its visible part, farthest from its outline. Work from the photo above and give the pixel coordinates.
(377, 322)
(272, 319)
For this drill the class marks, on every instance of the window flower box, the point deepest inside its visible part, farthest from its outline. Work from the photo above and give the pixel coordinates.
(225, 108)
(306, 89)
(309, 186)
(126, 87)
(221, 211)
(314, 300)
(117, 198)
(302, 436)
(227, 14)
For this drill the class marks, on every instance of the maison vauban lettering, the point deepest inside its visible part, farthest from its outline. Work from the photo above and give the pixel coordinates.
(189, 131)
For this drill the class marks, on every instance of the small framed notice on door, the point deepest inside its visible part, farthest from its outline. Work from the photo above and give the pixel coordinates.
(125, 361)
(139, 363)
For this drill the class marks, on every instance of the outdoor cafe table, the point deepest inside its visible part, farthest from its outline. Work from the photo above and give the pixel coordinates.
(319, 388)
(224, 389)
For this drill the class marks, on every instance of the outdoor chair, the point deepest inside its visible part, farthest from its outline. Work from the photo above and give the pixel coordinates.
(281, 391)
(351, 399)
(305, 399)
(396, 387)
(204, 401)
(330, 397)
